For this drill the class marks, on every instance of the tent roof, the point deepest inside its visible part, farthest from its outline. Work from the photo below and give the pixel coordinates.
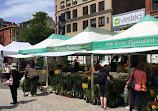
(99, 31)
(14, 47)
(1, 47)
(88, 35)
(41, 46)
(82, 41)
(148, 18)
(142, 34)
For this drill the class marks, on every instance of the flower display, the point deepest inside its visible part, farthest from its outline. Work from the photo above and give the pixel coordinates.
(57, 71)
(43, 71)
(89, 78)
(153, 106)
(84, 85)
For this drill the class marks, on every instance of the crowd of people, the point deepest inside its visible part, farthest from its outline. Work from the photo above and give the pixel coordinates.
(138, 76)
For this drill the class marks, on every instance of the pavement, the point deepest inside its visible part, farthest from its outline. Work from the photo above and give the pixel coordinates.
(45, 102)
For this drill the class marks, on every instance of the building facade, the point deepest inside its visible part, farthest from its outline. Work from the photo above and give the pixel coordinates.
(73, 16)
(8, 34)
(152, 7)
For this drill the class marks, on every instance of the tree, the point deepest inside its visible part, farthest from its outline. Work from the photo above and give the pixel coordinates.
(37, 30)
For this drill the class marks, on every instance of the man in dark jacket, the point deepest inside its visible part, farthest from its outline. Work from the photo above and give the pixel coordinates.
(13, 88)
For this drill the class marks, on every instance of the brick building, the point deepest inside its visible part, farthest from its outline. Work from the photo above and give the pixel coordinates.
(152, 7)
(8, 34)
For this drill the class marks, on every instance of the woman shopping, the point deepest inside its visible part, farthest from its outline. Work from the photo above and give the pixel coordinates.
(31, 72)
(138, 80)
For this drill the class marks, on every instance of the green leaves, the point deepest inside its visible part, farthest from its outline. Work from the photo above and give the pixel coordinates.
(37, 30)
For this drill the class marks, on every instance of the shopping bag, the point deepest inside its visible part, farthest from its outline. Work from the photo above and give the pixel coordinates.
(10, 81)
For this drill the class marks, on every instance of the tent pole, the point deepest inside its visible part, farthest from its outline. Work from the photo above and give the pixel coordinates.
(92, 78)
(18, 64)
(129, 62)
(46, 71)
(151, 57)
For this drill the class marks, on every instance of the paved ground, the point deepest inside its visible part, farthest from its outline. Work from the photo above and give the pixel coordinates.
(48, 102)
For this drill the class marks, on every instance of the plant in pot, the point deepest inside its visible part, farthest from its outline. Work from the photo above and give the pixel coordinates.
(68, 94)
(88, 96)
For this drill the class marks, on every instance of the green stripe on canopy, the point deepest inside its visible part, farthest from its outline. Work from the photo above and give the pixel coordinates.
(142, 41)
(41, 47)
(75, 47)
(61, 37)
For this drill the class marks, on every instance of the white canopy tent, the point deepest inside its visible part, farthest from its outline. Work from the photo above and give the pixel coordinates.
(14, 47)
(82, 41)
(142, 34)
(1, 47)
(41, 47)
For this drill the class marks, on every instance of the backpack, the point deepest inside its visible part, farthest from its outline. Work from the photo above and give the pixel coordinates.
(102, 76)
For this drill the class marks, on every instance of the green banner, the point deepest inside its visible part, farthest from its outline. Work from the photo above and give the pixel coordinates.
(75, 47)
(32, 51)
(143, 41)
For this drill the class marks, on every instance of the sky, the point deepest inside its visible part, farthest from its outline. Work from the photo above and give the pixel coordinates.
(21, 10)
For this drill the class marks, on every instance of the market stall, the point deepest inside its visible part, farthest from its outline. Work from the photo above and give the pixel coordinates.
(40, 49)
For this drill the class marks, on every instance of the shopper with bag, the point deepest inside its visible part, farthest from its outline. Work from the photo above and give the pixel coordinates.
(31, 72)
(137, 82)
(103, 80)
(13, 83)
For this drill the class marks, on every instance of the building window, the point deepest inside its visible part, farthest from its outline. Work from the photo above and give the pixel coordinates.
(56, 31)
(101, 21)
(74, 2)
(10, 31)
(68, 15)
(155, 4)
(107, 20)
(56, 8)
(69, 28)
(85, 24)
(93, 8)
(13, 31)
(62, 4)
(74, 13)
(85, 10)
(74, 27)
(62, 18)
(101, 6)
(56, 20)
(10, 39)
(93, 22)
(68, 3)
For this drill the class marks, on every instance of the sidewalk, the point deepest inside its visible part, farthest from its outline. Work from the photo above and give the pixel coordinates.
(48, 102)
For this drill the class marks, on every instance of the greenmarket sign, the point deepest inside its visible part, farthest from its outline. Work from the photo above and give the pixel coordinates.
(128, 17)
(126, 43)
(75, 47)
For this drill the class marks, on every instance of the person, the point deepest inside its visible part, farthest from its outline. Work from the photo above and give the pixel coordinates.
(76, 66)
(138, 76)
(15, 85)
(31, 72)
(97, 65)
(104, 86)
